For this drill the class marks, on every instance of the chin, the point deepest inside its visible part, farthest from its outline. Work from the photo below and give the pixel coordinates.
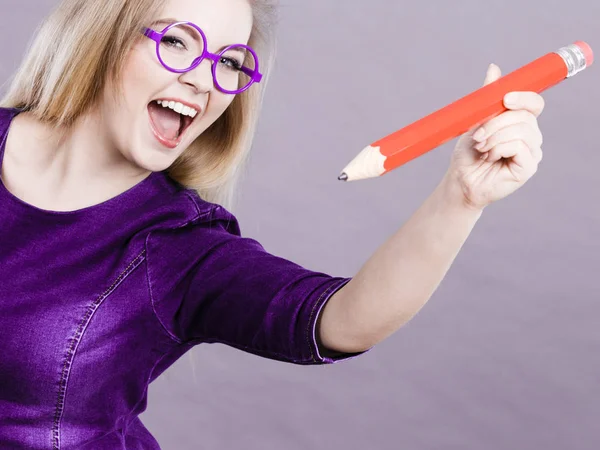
(150, 157)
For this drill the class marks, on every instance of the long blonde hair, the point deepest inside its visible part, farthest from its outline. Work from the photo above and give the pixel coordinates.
(70, 59)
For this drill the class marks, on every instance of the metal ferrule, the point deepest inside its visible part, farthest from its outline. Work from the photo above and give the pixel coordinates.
(573, 57)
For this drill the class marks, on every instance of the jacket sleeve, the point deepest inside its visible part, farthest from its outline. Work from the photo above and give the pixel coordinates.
(209, 284)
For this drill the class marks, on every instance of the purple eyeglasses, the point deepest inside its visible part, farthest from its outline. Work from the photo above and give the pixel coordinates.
(182, 46)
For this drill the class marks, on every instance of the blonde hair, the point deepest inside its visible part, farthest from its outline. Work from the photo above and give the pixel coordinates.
(70, 60)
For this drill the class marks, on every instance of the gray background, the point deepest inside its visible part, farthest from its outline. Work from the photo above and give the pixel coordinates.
(505, 354)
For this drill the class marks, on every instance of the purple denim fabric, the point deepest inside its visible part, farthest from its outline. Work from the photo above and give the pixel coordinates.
(97, 303)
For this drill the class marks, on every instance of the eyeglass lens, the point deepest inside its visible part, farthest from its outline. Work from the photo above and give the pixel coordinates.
(182, 45)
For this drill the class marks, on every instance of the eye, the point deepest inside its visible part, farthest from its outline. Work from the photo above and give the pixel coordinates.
(231, 63)
(173, 42)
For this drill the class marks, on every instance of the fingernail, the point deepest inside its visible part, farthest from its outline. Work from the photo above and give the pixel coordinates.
(510, 99)
(480, 145)
(479, 134)
(484, 156)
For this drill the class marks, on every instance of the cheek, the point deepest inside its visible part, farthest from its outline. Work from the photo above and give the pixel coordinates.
(140, 78)
(123, 113)
(216, 107)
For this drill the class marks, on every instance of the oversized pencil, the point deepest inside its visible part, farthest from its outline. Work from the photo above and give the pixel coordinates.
(431, 131)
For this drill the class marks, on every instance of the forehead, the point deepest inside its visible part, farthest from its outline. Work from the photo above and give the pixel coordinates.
(223, 21)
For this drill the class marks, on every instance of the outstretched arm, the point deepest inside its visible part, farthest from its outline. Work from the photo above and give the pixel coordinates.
(400, 277)
(488, 163)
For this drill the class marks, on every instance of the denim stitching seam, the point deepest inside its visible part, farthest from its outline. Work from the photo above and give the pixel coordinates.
(308, 327)
(73, 344)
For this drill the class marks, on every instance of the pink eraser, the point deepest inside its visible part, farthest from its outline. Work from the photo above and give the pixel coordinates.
(587, 52)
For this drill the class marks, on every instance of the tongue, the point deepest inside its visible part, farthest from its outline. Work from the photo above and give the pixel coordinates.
(166, 121)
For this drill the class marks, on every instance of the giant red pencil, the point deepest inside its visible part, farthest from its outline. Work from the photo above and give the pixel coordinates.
(474, 109)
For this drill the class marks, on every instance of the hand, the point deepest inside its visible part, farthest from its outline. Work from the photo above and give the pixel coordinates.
(493, 160)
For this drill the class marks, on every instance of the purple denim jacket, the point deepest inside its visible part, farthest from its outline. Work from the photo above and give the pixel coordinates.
(96, 303)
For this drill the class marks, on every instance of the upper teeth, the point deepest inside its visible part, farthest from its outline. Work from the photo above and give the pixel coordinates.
(178, 107)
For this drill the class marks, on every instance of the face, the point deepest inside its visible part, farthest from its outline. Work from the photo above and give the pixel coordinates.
(144, 132)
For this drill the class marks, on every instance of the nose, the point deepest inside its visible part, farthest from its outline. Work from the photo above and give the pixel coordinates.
(200, 78)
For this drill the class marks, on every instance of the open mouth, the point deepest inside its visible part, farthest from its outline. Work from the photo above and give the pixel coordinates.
(169, 121)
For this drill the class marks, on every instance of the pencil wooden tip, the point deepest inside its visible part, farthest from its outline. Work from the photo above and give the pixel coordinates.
(343, 177)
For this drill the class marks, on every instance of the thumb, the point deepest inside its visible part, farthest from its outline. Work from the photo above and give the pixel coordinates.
(493, 73)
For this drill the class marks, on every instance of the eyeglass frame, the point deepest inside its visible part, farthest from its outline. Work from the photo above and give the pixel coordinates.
(254, 74)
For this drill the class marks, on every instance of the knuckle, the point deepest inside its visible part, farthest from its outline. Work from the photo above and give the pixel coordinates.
(521, 131)
(522, 145)
(526, 129)
(526, 115)
(542, 102)
(529, 117)
(490, 141)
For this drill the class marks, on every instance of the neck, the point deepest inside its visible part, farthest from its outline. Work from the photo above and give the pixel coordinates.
(79, 167)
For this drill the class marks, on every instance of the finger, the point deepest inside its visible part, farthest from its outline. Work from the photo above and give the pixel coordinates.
(493, 73)
(520, 154)
(529, 101)
(502, 121)
(507, 149)
(532, 136)
(537, 154)
(497, 153)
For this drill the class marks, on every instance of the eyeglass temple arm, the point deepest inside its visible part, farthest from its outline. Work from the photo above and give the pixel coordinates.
(148, 32)
(252, 73)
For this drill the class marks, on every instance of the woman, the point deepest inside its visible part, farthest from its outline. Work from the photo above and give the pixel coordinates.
(119, 152)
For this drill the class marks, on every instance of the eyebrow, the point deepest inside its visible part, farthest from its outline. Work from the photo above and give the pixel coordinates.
(189, 30)
(192, 32)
